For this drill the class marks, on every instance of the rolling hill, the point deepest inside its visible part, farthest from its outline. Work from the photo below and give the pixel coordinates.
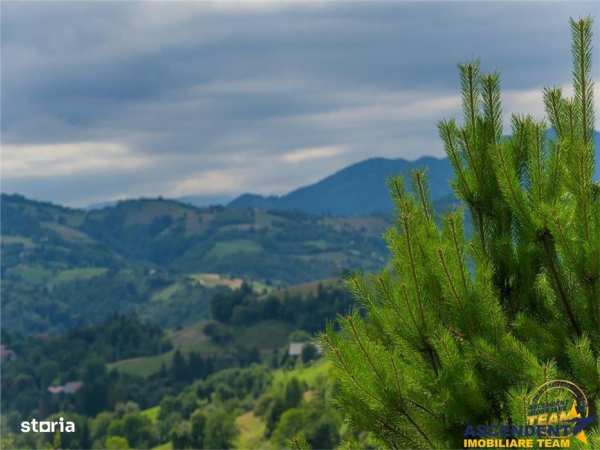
(279, 246)
(64, 268)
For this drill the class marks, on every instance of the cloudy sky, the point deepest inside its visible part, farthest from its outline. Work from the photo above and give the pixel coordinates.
(102, 101)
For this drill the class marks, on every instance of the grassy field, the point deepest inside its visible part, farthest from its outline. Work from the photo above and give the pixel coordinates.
(144, 365)
(188, 339)
(26, 242)
(310, 374)
(84, 273)
(251, 428)
(32, 273)
(67, 233)
(264, 336)
(227, 248)
(151, 413)
(250, 432)
(165, 294)
(215, 279)
(193, 339)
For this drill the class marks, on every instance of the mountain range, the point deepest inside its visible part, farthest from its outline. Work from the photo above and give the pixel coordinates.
(356, 190)
(360, 189)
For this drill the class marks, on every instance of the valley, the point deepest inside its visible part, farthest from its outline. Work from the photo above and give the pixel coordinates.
(153, 323)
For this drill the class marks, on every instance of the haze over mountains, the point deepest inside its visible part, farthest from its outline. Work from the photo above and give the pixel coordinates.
(357, 190)
(360, 189)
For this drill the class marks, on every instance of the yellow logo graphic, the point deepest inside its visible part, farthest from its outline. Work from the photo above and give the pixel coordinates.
(560, 403)
(556, 412)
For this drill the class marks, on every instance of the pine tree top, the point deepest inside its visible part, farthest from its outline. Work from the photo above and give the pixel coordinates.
(460, 329)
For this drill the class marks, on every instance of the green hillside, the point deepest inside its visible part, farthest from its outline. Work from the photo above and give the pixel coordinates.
(275, 246)
(148, 385)
(64, 268)
(254, 322)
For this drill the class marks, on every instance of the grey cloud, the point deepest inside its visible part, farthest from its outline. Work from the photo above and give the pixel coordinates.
(195, 87)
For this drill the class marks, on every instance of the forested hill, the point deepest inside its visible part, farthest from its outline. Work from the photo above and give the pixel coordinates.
(263, 245)
(360, 189)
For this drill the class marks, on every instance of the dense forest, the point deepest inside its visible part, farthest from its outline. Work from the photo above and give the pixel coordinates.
(162, 260)
(199, 393)
(272, 246)
(153, 323)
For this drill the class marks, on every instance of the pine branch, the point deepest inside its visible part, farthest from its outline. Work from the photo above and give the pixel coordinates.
(550, 253)
(554, 104)
(422, 190)
(582, 68)
(413, 266)
(492, 106)
(388, 299)
(537, 214)
(457, 250)
(469, 80)
(449, 277)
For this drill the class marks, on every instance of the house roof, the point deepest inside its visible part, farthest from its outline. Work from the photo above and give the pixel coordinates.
(5, 352)
(296, 348)
(71, 387)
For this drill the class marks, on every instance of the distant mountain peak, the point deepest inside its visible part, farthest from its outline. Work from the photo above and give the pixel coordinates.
(360, 188)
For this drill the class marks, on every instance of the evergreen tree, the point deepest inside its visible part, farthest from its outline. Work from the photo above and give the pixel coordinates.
(179, 366)
(196, 365)
(460, 331)
(116, 443)
(181, 436)
(219, 430)
(197, 425)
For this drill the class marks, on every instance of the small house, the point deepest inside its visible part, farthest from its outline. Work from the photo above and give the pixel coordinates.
(6, 353)
(295, 348)
(70, 387)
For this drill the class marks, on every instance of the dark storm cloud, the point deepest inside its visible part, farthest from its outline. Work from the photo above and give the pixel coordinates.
(203, 97)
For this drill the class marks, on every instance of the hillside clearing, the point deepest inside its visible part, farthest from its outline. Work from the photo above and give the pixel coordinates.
(250, 432)
(265, 336)
(84, 273)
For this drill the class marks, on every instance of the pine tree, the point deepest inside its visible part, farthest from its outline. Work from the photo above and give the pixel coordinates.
(460, 330)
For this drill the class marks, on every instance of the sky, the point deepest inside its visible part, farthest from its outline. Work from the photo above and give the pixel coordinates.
(110, 100)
